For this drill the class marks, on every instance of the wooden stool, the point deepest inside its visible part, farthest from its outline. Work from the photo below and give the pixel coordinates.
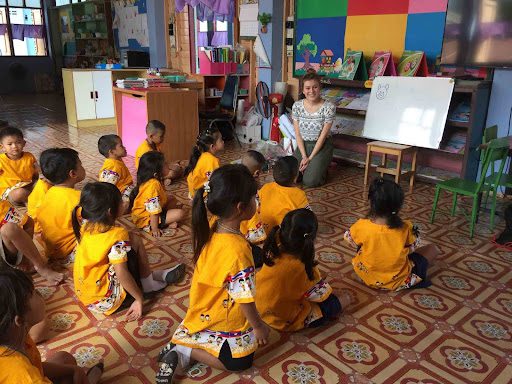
(386, 149)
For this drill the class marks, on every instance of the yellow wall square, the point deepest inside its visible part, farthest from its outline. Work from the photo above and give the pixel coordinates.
(376, 33)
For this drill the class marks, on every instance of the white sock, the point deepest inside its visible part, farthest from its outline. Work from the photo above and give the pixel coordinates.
(184, 353)
(150, 285)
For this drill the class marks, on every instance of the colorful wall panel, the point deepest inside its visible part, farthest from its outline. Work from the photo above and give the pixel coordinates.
(325, 30)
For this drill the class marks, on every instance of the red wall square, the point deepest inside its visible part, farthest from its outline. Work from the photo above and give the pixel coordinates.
(377, 7)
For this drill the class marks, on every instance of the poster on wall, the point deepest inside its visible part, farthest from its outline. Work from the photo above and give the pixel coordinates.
(130, 24)
(324, 28)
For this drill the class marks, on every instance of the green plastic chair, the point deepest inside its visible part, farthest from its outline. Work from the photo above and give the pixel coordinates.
(497, 151)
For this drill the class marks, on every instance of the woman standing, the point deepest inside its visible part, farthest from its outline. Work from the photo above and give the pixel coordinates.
(312, 120)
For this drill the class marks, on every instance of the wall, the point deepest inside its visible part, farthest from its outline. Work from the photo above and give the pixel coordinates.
(125, 16)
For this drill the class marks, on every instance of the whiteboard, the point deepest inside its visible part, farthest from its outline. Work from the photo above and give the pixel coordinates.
(408, 110)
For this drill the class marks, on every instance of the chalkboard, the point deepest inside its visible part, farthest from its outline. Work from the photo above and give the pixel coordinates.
(408, 110)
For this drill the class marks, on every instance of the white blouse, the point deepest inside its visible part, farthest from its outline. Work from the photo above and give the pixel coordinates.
(311, 124)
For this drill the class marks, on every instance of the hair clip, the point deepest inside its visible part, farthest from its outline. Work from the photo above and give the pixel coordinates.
(207, 188)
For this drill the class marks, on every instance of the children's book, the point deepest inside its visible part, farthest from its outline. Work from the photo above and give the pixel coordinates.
(382, 65)
(354, 66)
(461, 112)
(413, 63)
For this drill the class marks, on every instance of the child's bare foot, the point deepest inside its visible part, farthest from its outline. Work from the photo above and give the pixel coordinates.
(345, 299)
(167, 182)
(173, 225)
(53, 277)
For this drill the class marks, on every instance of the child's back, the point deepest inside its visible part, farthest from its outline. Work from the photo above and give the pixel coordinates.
(95, 283)
(151, 199)
(206, 164)
(35, 199)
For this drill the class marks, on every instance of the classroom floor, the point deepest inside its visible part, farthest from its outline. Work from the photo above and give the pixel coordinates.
(457, 331)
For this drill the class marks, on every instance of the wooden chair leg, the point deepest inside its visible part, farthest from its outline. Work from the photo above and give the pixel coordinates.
(384, 163)
(398, 168)
(434, 205)
(367, 167)
(413, 171)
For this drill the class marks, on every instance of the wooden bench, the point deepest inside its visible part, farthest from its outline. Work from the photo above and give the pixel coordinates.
(386, 149)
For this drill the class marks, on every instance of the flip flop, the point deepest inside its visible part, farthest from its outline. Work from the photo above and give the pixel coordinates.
(100, 366)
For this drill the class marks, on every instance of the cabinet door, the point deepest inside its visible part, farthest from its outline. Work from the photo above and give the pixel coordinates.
(84, 95)
(103, 94)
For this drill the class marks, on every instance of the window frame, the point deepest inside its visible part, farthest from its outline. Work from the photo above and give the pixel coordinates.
(9, 28)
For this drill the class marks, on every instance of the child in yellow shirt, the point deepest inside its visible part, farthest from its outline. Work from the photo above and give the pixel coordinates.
(253, 229)
(387, 255)
(152, 209)
(222, 327)
(20, 360)
(291, 293)
(281, 196)
(35, 199)
(63, 168)
(110, 263)
(16, 245)
(155, 133)
(203, 160)
(114, 170)
(18, 169)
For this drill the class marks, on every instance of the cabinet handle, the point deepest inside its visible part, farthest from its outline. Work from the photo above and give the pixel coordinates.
(92, 97)
(96, 93)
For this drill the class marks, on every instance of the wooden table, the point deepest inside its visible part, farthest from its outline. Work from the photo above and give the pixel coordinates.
(177, 108)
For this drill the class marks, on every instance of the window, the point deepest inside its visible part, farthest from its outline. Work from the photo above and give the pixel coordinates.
(22, 31)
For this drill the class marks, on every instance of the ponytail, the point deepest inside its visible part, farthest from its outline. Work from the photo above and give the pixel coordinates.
(308, 255)
(394, 221)
(194, 158)
(200, 227)
(271, 248)
(133, 195)
(75, 222)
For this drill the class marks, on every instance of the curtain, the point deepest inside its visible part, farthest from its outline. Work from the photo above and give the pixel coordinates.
(21, 31)
(220, 38)
(3, 29)
(202, 39)
(222, 10)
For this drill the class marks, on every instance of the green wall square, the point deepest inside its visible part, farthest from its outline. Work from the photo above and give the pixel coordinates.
(308, 9)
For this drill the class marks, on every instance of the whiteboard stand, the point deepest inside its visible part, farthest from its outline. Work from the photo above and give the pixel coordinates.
(397, 150)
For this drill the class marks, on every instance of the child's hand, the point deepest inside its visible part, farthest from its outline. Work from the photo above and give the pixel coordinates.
(167, 181)
(261, 333)
(156, 232)
(135, 311)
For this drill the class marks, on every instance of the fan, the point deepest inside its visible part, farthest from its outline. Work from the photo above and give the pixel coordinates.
(262, 102)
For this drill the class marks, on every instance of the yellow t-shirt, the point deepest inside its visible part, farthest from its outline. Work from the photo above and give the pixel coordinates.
(9, 214)
(277, 201)
(16, 367)
(142, 149)
(54, 217)
(286, 298)
(96, 283)
(35, 199)
(223, 279)
(150, 200)
(204, 168)
(16, 173)
(116, 172)
(382, 258)
(253, 229)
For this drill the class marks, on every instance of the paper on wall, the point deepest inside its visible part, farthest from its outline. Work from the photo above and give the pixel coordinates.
(259, 50)
(249, 28)
(248, 12)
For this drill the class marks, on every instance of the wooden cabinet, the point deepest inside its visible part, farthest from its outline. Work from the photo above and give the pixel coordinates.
(89, 99)
(456, 156)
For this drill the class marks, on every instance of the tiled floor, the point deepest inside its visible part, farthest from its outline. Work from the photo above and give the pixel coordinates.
(457, 331)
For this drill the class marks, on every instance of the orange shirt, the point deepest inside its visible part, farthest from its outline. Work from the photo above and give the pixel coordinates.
(142, 149)
(16, 172)
(150, 200)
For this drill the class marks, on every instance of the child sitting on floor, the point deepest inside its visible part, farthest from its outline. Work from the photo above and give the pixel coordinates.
(35, 199)
(155, 132)
(152, 209)
(203, 160)
(281, 196)
(114, 170)
(20, 360)
(16, 231)
(387, 255)
(18, 169)
(222, 327)
(110, 263)
(291, 293)
(63, 168)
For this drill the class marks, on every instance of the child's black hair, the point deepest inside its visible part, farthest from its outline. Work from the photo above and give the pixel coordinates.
(16, 289)
(99, 204)
(229, 185)
(150, 164)
(56, 163)
(154, 126)
(386, 199)
(257, 157)
(204, 140)
(296, 236)
(107, 143)
(10, 131)
(285, 170)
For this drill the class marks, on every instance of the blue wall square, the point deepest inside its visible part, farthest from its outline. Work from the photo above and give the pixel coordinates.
(425, 33)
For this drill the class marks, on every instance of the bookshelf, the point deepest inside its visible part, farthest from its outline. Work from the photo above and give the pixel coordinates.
(84, 33)
(456, 156)
(213, 85)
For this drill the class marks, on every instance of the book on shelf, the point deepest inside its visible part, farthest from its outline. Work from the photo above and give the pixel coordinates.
(382, 65)
(454, 143)
(413, 63)
(349, 98)
(354, 66)
(461, 112)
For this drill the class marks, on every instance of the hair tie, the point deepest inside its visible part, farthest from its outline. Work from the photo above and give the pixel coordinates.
(307, 235)
(393, 213)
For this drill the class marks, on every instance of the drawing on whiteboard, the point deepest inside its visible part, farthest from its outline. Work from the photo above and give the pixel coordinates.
(382, 91)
